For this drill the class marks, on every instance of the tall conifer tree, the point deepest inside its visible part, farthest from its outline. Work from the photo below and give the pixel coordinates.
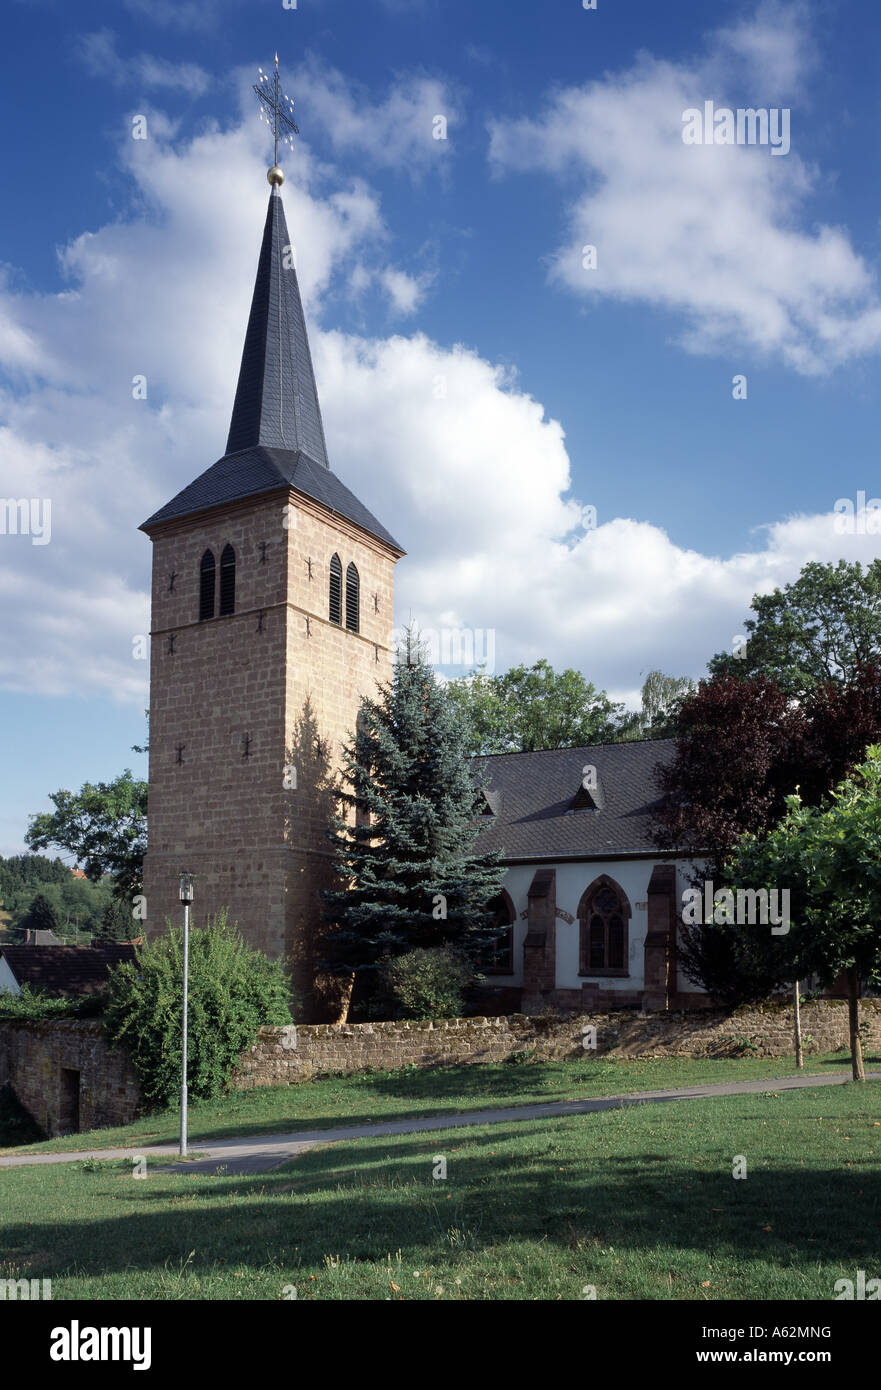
(41, 916)
(413, 875)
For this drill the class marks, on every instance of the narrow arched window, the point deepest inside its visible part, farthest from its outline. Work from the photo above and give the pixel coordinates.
(336, 590)
(352, 598)
(227, 581)
(498, 956)
(206, 586)
(603, 914)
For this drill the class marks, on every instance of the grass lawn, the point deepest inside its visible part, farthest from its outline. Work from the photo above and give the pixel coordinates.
(397, 1095)
(637, 1202)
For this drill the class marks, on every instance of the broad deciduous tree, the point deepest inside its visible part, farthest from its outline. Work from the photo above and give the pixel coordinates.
(104, 828)
(658, 716)
(828, 858)
(534, 707)
(822, 627)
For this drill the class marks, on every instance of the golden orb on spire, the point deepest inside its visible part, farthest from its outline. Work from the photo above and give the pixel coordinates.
(275, 176)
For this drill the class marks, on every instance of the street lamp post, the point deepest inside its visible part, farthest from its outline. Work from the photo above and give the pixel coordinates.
(186, 896)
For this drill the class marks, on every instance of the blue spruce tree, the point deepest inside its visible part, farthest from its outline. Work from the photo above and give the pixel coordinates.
(411, 873)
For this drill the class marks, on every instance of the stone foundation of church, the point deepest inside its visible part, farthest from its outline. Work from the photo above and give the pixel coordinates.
(592, 998)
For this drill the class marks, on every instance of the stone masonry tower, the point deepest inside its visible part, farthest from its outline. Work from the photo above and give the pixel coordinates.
(272, 609)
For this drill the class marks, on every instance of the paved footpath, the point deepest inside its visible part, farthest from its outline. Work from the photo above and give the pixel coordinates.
(259, 1153)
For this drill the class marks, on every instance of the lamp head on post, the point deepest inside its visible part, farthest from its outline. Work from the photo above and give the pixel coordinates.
(187, 888)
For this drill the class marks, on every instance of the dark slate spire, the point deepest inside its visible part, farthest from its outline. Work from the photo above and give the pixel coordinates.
(276, 403)
(276, 437)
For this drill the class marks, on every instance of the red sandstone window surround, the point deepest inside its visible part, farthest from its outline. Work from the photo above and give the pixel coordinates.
(603, 915)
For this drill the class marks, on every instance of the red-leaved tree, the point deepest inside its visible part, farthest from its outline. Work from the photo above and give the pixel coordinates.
(738, 748)
(743, 746)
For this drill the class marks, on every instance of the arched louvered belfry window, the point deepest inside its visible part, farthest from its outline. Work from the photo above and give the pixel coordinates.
(352, 598)
(206, 586)
(498, 958)
(603, 914)
(227, 581)
(336, 591)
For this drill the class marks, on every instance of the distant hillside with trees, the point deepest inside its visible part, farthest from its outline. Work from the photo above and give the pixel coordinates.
(41, 893)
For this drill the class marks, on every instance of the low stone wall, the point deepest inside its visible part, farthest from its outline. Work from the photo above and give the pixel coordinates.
(34, 1055)
(34, 1058)
(283, 1055)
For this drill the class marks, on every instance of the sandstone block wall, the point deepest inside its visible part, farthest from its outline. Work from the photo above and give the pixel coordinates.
(280, 1056)
(33, 1054)
(33, 1057)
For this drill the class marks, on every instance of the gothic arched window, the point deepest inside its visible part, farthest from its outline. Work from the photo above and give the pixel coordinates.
(206, 586)
(336, 591)
(227, 581)
(498, 958)
(603, 914)
(352, 598)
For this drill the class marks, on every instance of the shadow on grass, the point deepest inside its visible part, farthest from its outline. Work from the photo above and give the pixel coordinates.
(438, 1087)
(842, 1060)
(448, 1090)
(358, 1206)
(442, 1089)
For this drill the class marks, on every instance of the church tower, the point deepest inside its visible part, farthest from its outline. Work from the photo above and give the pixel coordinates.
(272, 608)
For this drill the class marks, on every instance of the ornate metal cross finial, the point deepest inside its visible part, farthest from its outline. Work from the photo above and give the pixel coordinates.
(277, 110)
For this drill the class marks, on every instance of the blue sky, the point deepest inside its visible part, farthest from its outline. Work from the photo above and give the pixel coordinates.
(426, 261)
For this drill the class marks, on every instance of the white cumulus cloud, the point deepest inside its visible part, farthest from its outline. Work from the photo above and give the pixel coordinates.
(448, 449)
(708, 232)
